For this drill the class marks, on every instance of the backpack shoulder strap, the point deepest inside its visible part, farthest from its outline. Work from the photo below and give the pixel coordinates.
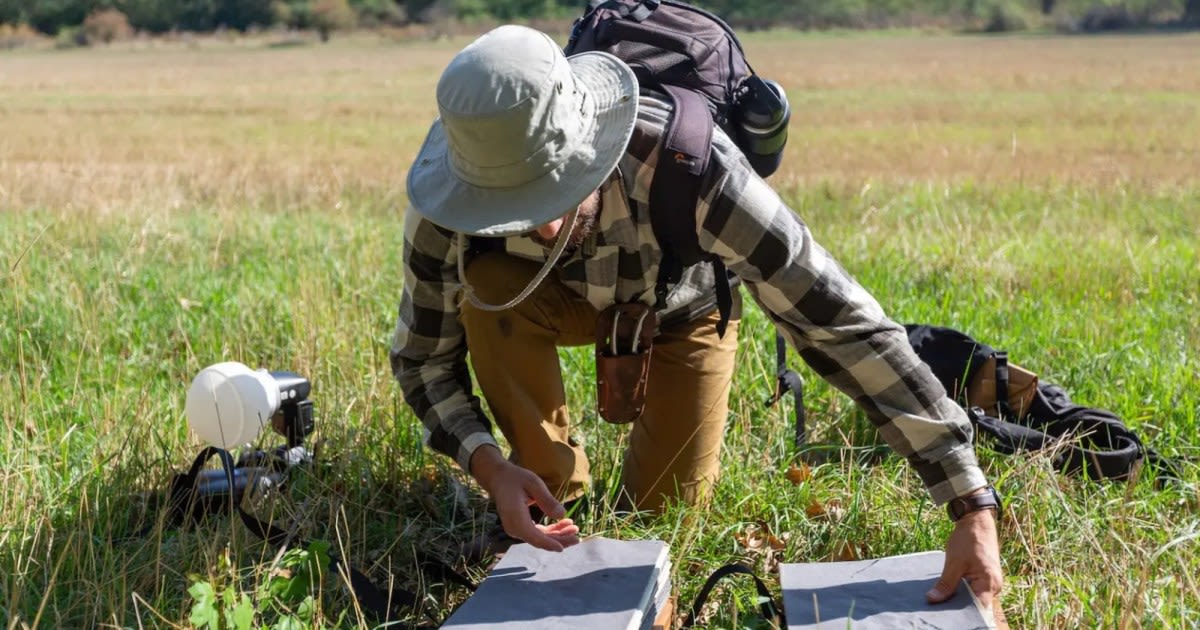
(675, 191)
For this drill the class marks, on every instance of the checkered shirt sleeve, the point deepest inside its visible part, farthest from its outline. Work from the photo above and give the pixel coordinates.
(838, 328)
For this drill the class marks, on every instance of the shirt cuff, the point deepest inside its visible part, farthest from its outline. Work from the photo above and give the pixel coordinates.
(963, 475)
(474, 441)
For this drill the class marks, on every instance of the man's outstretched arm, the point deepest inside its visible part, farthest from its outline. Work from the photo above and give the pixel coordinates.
(428, 358)
(843, 334)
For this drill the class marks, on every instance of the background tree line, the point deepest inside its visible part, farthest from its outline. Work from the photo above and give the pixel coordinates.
(160, 16)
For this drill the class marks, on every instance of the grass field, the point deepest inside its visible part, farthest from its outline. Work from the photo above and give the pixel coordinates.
(164, 208)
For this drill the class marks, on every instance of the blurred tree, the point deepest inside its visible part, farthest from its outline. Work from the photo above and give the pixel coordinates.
(415, 10)
(331, 15)
(157, 16)
(293, 13)
(376, 12)
(154, 16)
(12, 11)
(48, 16)
(241, 14)
(105, 26)
(160, 16)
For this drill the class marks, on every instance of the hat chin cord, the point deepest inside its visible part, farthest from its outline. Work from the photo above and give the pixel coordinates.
(560, 245)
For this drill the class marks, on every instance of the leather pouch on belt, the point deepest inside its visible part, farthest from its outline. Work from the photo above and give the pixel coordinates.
(624, 334)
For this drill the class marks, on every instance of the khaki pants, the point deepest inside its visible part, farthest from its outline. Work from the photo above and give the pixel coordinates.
(674, 448)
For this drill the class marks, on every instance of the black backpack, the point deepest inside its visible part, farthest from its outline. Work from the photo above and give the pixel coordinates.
(1086, 441)
(693, 58)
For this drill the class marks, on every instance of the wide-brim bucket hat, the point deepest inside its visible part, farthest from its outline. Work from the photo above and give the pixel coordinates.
(524, 133)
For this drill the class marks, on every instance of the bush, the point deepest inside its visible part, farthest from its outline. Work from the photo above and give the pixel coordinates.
(1005, 17)
(244, 14)
(373, 13)
(70, 37)
(1107, 18)
(106, 26)
(17, 36)
(52, 16)
(331, 15)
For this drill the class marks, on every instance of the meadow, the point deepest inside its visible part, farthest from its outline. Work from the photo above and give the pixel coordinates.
(165, 206)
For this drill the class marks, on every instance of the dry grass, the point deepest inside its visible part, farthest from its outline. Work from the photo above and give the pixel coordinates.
(176, 125)
(1108, 110)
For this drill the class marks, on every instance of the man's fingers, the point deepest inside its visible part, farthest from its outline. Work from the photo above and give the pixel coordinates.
(521, 527)
(947, 584)
(542, 541)
(565, 526)
(540, 494)
(566, 532)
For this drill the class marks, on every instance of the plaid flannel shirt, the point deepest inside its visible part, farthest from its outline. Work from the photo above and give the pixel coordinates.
(838, 327)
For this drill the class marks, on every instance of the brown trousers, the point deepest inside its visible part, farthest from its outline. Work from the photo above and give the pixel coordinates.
(674, 447)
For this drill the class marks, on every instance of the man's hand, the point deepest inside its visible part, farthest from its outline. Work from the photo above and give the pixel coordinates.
(973, 554)
(514, 489)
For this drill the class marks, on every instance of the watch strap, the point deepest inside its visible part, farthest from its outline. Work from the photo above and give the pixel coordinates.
(987, 500)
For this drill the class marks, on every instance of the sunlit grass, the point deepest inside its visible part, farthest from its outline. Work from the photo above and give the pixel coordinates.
(161, 210)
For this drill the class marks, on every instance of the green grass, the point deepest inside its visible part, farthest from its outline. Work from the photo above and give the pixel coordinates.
(152, 249)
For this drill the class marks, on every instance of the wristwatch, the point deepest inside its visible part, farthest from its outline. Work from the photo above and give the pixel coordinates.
(989, 499)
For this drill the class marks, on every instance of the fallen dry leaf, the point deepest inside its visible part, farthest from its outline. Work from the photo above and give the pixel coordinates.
(799, 474)
(752, 538)
(831, 509)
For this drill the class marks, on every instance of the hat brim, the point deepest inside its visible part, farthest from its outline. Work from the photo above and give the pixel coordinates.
(438, 194)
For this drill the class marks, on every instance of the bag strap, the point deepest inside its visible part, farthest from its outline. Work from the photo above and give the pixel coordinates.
(638, 12)
(1002, 384)
(384, 604)
(1169, 472)
(684, 157)
(1112, 453)
(676, 186)
(768, 607)
(788, 380)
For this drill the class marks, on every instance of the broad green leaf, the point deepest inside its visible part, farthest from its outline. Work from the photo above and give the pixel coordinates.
(204, 611)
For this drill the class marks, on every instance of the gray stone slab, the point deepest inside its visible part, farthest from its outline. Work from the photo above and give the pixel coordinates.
(599, 584)
(881, 594)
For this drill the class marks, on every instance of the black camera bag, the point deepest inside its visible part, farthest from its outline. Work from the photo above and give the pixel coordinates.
(1087, 441)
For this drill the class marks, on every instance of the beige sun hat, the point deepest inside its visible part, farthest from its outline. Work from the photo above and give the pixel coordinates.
(524, 134)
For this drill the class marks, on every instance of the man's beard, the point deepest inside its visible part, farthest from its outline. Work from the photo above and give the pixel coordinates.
(585, 225)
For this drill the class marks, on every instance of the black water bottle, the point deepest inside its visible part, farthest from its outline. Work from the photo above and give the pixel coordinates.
(762, 124)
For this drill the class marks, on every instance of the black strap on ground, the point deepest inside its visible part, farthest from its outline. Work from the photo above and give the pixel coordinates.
(1168, 471)
(788, 380)
(769, 609)
(383, 604)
